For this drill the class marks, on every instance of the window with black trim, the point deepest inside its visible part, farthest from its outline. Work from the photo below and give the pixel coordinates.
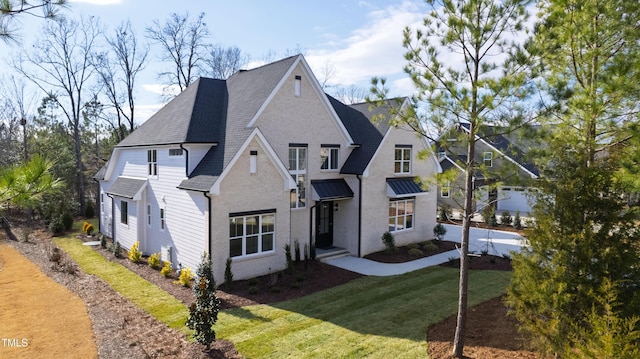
(488, 159)
(400, 214)
(162, 218)
(329, 157)
(445, 189)
(174, 152)
(298, 171)
(152, 162)
(124, 212)
(251, 234)
(402, 161)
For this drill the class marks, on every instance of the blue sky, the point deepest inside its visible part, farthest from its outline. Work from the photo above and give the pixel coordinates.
(357, 39)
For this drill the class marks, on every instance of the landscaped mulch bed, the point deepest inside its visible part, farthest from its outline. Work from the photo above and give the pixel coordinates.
(402, 254)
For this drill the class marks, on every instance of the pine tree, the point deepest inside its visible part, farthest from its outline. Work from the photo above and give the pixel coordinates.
(203, 314)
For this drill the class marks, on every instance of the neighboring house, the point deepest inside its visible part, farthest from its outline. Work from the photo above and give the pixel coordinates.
(241, 167)
(508, 177)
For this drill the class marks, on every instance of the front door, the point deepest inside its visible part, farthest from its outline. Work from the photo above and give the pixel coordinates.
(324, 225)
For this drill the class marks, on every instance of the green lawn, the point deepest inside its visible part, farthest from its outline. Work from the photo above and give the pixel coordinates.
(145, 295)
(376, 317)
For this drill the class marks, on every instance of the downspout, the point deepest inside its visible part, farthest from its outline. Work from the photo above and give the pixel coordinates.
(186, 164)
(311, 224)
(359, 214)
(99, 206)
(210, 229)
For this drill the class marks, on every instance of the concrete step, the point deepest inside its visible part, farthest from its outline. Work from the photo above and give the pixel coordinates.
(326, 254)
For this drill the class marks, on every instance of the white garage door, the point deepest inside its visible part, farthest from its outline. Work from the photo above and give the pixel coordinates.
(512, 199)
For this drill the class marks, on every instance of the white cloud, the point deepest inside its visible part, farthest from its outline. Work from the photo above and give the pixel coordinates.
(143, 112)
(373, 50)
(160, 89)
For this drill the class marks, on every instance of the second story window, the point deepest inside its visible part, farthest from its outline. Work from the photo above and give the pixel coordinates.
(152, 162)
(402, 161)
(298, 170)
(488, 159)
(329, 157)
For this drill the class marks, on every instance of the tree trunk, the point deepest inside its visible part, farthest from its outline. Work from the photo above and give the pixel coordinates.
(458, 341)
(79, 174)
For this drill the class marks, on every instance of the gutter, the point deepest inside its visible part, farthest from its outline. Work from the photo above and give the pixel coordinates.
(186, 161)
(311, 226)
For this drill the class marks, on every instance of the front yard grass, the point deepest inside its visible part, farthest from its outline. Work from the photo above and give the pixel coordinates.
(145, 295)
(375, 317)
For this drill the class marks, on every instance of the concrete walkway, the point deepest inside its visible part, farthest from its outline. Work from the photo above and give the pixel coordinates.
(493, 241)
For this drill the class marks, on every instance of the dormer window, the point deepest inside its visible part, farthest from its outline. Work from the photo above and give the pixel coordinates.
(152, 162)
(402, 161)
(488, 159)
(298, 85)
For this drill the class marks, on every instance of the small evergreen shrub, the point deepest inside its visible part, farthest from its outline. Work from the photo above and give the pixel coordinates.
(299, 277)
(506, 219)
(67, 220)
(134, 254)
(517, 222)
(296, 250)
(90, 211)
(103, 241)
(203, 313)
(253, 290)
(26, 233)
(287, 253)
(275, 289)
(306, 256)
(154, 260)
(116, 249)
(166, 269)
(445, 213)
(415, 252)
(253, 282)
(413, 245)
(185, 277)
(54, 254)
(429, 246)
(484, 252)
(439, 231)
(228, 274)
(56, 226)
(389, 242)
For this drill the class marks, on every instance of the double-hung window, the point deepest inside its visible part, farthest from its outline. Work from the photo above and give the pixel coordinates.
(488, 159)
(402, 161)
(162, 218)
(445, 189)
(400, 214)
(152, 162)
(298, 171)
(251, 234)
(329, 157)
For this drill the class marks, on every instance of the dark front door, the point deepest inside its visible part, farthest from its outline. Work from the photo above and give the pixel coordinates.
(324, 225)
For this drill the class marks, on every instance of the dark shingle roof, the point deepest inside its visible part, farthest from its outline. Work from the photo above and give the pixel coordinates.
(126, 187)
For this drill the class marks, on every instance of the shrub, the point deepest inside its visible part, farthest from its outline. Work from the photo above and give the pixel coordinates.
(116, 249)
(203, 313)
(67, 220)
(389, 242)
(134, 254)
(306, 256)
(166, 269)
(90, 230)
(484, 252)
(56, 226)
(103, 241)
(253, 290)
(287, 253)
(26, 233)
(253, 282)
(312, 251)
(54, 254)
(154, 260)
(90, 211)
(517, 222)
(84, 226)
(506, 219)
(296, 250)
(415, 252)
(413, 245)
(445, 213)
(228, 274)
(275, 289)
(439, 231)
(185, 277)
(429, 246)
(300, 277)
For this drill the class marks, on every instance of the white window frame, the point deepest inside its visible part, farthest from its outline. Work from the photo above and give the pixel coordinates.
(487, 156)
(298, 169)
(124, 212)
(401, 222)
(152, 162)
(297, 87)
(403, 159)
(329, 157)
(148, 215)
(445, 190)
(260, 234)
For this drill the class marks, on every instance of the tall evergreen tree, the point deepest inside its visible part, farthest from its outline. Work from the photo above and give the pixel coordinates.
(468, 72)
(584, 236)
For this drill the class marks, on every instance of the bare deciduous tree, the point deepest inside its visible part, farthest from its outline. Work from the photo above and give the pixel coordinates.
(183, 45)
(223, 62)
(60, 65)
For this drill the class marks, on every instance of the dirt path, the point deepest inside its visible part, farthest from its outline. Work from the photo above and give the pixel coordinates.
(32, 325)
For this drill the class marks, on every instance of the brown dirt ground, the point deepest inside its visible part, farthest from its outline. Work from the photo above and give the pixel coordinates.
(42, 330)
(123, 330)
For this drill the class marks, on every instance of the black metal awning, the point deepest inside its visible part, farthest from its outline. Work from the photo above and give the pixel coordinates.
(403, 187)
(331, 190)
